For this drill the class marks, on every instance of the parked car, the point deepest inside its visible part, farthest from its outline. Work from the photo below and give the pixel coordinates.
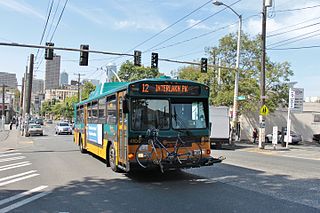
(34, 129)
(316, 137)
(296, 138)
(63, 128)
(49, 121)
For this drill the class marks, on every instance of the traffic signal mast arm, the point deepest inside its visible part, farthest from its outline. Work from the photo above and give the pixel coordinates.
(106, 53)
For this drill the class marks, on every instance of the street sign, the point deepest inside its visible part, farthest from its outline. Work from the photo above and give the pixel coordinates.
(241, 98)
(264, 110)
(291, 98)
(275, 135)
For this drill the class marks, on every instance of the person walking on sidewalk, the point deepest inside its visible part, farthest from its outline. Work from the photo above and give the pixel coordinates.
(255, 135)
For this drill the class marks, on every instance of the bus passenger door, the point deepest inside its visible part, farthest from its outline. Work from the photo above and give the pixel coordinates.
(85, 121)
(122, 134)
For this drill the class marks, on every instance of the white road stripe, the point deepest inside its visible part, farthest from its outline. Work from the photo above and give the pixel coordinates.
(6, 155)
(11, 159)
(9, 151)
(18, 179)
(16, 166)
(23, 202)
(17, 175)
(15, 197)
(23, 162)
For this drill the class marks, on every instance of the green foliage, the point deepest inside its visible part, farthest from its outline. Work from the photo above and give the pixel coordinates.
(129, 72)
(86, 89)
(222, 89)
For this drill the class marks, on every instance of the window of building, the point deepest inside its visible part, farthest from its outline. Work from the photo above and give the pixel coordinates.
(316, 118)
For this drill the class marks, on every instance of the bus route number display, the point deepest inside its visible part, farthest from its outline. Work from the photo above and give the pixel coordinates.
(179, 89)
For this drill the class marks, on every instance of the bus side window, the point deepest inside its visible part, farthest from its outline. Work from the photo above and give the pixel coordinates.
(112, 113)
(101, 114)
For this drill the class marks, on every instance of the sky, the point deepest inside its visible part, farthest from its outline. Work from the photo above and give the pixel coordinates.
(178, 30)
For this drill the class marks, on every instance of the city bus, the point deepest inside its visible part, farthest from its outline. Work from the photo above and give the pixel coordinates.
(113, 124)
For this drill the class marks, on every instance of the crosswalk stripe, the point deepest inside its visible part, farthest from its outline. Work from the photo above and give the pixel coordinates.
(11, 159)
(11, 154)
(9, 151)
(13, 164)
(16, 166)
(15, 197)
(18, 179)
(23, 202)
(17, 175)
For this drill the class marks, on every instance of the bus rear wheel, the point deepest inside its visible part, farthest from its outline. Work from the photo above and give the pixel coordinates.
(112, 158)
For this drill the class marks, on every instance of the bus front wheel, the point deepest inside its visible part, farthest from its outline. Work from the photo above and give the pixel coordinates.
(112, 158)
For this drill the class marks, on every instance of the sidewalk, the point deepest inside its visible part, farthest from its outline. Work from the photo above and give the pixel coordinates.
(307, 150)
(9, 139)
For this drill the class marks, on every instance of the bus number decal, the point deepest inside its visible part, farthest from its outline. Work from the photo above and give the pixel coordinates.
(145, 88)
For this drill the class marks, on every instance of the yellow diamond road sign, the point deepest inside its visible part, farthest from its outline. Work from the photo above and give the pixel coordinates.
(264, 110)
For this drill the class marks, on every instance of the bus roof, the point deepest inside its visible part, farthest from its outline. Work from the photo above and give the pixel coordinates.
(111, 87)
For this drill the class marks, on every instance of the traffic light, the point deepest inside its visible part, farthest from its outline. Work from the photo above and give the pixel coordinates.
(204, 65)
(137, 58)
(48, 55)
(154, 60)
(84, 56)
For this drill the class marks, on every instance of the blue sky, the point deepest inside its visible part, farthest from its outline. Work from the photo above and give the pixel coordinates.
(119, 25)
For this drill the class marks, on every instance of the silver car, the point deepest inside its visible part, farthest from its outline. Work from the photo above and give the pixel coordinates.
(34, 129)
(296, 138)
(63, 128)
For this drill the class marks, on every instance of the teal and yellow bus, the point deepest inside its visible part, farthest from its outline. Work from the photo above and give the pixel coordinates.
(115, 122)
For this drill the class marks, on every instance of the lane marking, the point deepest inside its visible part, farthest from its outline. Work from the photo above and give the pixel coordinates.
(11, 159)
(16, 166)
(17, 175)
(8, 151)
(6, 155)
(23, 202)
(15, 197)
(18, 179)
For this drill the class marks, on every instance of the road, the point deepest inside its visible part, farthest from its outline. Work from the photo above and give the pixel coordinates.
(49, 174)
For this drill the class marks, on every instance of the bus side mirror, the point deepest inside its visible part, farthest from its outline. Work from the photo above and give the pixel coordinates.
(125, 106)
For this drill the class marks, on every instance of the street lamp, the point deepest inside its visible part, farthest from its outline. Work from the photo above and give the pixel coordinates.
(236, 80)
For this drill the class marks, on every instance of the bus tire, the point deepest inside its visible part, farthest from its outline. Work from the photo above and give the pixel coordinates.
(112, 158)
(81, 148)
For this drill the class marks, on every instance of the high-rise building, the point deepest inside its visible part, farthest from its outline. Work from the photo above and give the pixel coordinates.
(52, 75)
(64, 78)
(8, 79)
(37, 86)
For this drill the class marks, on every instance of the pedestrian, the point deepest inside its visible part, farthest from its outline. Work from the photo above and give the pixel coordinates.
(17, 122)
(255, 135)
(13, 121)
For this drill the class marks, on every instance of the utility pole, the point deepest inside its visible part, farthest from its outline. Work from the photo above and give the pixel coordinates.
(29, 91)
(79, 75)
(262, 127)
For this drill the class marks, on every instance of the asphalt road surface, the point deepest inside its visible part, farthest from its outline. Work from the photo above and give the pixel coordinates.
(49, 174)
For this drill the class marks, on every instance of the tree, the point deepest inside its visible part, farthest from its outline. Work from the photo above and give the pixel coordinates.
(129, 72)
(221, 81)
(87, 88)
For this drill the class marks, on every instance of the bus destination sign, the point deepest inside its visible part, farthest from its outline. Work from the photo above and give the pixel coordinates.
(159, 88)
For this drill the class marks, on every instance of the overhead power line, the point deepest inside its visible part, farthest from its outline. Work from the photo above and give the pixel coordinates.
(64, 6)
(302, 8)
(295, 48)
(188, 28)
(300, 28)
(297, 24)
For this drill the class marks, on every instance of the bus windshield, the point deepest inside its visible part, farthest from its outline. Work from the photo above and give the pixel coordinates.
(155, 113)
(150, 113)
(188, 115)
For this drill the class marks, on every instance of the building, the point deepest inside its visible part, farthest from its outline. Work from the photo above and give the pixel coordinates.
(314, 99)
(60, 94)
(37, 86)
(52, 75)
(64, 78)
(8, 79)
